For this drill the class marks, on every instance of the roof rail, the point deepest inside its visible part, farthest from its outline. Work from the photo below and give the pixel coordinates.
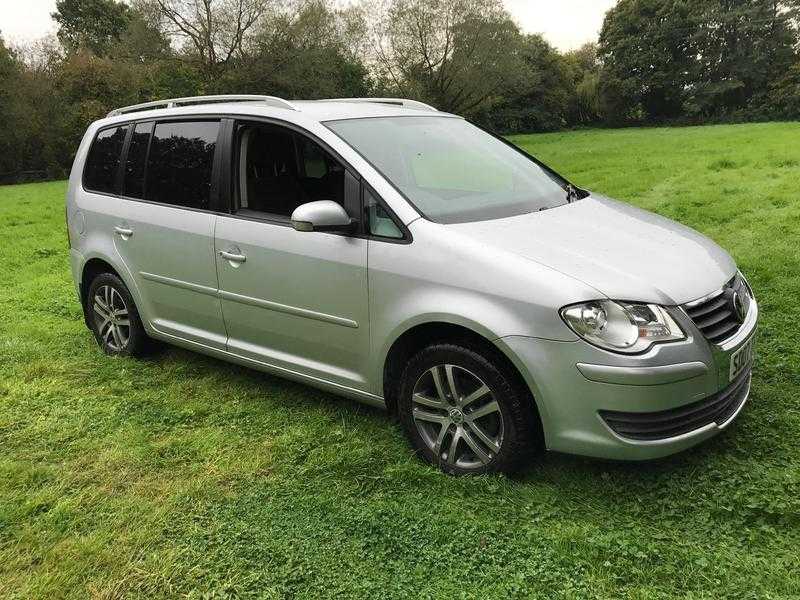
(190, 101)
(396, 101)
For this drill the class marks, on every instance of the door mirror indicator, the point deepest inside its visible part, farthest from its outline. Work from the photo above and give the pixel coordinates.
(323, 215)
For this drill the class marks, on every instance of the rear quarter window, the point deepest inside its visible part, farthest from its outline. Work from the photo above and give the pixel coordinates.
(102, 164)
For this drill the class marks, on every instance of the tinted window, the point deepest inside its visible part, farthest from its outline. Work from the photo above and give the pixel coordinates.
(180, 163)
(103, 162)
(134, 165)
(279, 170)
(315, 161)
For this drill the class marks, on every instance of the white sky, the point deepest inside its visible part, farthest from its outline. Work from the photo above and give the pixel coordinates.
(566, 24)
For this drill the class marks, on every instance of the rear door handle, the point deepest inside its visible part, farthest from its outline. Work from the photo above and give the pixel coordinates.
(237, 258)
(123, 232)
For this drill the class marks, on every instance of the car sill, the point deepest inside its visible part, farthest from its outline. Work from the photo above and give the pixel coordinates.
(329, 386)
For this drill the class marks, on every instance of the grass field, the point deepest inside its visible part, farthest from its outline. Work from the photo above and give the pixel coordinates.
(182, 476)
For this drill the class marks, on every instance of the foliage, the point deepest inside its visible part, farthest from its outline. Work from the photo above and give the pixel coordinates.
(143, 41)
(666, 59)
(182, 476)
(743, 45)
(647, 54)
(8, 77)
(214, 31)
(583, 70)
(657, 61)
(91, 24)
(539, 96)
(459, 55)
(784, 94)
(300, 53)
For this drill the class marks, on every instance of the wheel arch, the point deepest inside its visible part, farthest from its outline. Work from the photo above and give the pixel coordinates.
(417, 335)
(96, 264)
(91, 269)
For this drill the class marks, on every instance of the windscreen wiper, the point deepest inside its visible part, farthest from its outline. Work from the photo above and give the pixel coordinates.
(572, 194)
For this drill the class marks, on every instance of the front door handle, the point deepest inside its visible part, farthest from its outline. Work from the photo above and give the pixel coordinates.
(236, 258)
(123, 232)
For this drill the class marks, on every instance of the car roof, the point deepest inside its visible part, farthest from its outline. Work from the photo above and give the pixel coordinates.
(294, 111)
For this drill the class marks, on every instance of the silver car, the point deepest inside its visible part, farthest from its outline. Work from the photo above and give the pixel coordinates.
(403, 257)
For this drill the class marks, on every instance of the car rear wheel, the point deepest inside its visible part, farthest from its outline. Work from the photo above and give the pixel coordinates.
(466, 413)
(113, 317)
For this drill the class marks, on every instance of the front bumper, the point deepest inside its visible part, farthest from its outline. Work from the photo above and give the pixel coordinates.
(579, 390)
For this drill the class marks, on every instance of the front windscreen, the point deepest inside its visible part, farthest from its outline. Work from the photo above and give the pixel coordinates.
(452, 171)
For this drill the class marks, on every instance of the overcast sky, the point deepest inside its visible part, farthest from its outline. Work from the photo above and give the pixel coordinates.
(564, 23)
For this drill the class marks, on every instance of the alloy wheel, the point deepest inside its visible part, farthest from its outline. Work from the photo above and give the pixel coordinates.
(111, 318)
(458, 417)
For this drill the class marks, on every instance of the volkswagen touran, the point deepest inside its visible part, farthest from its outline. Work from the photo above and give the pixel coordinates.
(403, 257)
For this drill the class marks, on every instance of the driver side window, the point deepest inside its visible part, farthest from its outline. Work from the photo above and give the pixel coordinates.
(278, 169)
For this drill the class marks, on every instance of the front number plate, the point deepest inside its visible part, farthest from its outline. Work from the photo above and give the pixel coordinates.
(740, 359)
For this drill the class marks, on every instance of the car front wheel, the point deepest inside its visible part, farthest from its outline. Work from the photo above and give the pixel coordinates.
(466, 413)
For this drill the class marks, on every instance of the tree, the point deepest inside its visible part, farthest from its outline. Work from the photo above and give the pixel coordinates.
(647, 50)
(742, 47)
(583, 67)
(784, 95)
(144, 38)
(704, 59)
(455, 54)
(8, 75)
(146, 48)
(91, 24)
(38, 109)
(539, 95)
(213, 30)
(303, 52)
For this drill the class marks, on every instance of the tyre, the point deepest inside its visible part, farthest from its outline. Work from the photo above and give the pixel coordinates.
(113, 317)
(465, 412)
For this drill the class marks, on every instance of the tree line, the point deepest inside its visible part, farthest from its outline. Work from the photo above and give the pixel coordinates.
(656, 61)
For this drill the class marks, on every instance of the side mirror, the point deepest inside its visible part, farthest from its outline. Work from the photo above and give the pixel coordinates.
(323, 215)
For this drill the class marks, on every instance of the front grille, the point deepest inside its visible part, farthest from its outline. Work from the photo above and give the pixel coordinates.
(715, 317)
(718, 409)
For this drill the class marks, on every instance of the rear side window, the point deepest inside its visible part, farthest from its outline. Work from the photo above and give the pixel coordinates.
(134, 164)
(102, 165)
(180, 163)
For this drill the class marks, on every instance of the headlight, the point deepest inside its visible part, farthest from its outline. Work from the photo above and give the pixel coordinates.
(622, 326)
(747, 285)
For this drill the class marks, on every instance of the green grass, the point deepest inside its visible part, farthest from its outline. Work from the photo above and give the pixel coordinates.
(182, 476)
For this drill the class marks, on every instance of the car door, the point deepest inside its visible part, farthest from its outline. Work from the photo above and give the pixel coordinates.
(164, 227)
(293, 300)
